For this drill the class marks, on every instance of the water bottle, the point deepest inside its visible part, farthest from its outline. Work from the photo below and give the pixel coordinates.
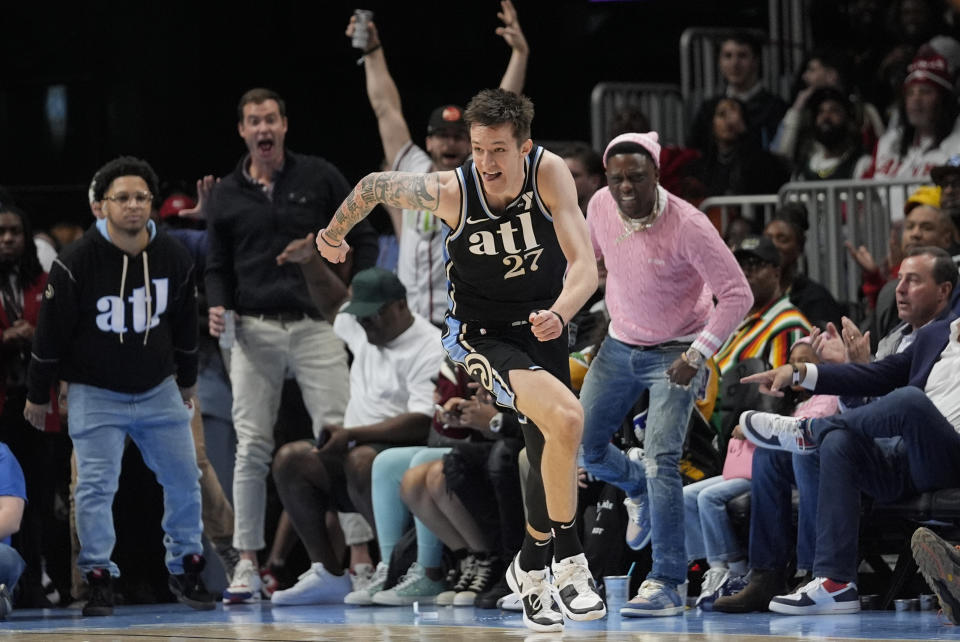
(229, 333)
(361, 33)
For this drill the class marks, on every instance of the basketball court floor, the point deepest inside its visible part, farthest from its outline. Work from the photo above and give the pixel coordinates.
(262, 623)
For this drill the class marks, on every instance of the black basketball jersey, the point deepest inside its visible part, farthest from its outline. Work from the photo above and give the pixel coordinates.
(501, 267)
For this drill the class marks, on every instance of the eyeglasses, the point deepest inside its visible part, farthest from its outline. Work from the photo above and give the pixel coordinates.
(140, 198)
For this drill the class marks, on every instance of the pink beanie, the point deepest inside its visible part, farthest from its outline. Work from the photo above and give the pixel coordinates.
(648, 141)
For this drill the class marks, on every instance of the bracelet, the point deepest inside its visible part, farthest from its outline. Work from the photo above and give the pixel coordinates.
(324, 239)
(562, 322)
(367, 53)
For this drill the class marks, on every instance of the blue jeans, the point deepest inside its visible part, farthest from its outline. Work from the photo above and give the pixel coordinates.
(707, 528)
(775, 472)
(923, 457)
(617, 376)
(11, 566)
(159, 424)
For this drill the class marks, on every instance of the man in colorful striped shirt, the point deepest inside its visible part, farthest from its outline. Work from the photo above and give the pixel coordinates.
(773, 323)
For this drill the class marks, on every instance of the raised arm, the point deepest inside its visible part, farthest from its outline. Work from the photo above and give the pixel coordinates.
(560, 195)
(383, 94)
(437, 192)
(516, 73)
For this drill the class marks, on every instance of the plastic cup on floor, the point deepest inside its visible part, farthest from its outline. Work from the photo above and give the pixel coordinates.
(618, 591)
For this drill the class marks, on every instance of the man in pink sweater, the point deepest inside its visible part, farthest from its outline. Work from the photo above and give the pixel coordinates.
(665, 264)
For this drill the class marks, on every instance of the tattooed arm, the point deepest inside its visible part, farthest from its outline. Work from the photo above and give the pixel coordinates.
(437, 192)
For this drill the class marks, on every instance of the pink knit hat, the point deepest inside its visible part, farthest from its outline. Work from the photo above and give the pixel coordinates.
(648, 141)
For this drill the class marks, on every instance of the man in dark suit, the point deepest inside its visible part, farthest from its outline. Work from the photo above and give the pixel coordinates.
(904, 443)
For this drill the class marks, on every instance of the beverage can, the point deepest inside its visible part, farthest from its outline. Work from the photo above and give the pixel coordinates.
(361, 34)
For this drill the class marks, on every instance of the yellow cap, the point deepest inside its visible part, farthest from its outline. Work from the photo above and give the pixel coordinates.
(924, 195)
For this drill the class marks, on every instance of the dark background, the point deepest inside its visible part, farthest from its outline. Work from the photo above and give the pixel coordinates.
(161, 80)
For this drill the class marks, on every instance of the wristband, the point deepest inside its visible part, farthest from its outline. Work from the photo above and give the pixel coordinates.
(562, 322)
(324, 239)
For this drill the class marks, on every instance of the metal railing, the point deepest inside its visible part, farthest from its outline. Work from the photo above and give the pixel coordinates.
(790, 34)
(861, 212)
(744, 206)
(662, 104)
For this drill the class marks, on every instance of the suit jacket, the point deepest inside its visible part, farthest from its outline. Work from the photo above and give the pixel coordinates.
(908, 368)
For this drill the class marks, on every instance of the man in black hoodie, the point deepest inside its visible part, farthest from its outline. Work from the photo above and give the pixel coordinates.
(118, 323)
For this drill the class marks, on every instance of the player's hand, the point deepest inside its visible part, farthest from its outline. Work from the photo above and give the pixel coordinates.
(329, 249)
(545, 325)
(204, 189)
(298, 251)
(36, 414)
(772, 382)
(511, 31)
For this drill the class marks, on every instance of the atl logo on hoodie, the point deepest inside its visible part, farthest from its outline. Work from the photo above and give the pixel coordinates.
(113, 317)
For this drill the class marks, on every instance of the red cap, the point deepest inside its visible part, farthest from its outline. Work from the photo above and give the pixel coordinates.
(175, 203)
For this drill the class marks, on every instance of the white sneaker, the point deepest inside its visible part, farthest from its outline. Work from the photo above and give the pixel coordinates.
(511, 602)
(365, 588)
(540, 611)
(577, 589)
(770, 430)
(245, 587)
(414, 586)
(316, 586)
(816, 599)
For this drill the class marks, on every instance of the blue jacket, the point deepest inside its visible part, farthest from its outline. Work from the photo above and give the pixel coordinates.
(908, 368)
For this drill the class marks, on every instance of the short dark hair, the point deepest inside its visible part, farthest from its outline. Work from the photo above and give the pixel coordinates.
(258, 96)
(125, 166)
(630, 147)
(587, 155)
(492, 107)
(796, 216)
(28, 266)
(742, 37)
(944, 269)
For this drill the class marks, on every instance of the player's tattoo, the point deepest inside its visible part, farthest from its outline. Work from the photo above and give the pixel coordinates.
(399, 189)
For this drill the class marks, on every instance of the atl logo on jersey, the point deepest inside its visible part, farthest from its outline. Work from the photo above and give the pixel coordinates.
(518, 245)
(114, 312)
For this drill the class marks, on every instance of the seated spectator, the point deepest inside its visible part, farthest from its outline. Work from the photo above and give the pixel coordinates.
(927, 133)
(396, 354)
(739, 62)
(772, 325)
(788, 231)
(917, 407)
(733, 161)
(774, 475)
(939, 562)
(13, 497)
(947, 178)
(925, 226)
(829, 145)
(435, 493)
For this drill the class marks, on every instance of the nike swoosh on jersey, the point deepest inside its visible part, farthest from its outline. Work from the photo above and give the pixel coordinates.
(474, 221)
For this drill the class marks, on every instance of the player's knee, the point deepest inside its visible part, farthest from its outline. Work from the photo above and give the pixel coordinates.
(566, 425)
